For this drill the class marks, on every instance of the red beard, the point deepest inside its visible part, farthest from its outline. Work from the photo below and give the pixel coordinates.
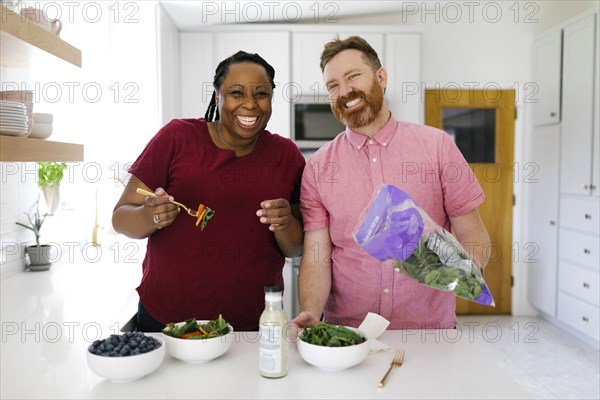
(367, 111)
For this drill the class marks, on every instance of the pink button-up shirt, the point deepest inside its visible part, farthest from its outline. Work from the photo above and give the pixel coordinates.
(338, 185)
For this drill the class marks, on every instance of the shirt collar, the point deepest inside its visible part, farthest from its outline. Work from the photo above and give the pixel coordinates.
(383, 136)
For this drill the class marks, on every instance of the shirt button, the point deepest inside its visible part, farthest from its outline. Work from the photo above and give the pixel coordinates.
(386, 291)
(374, 159)
(384, 144)
(370, 142)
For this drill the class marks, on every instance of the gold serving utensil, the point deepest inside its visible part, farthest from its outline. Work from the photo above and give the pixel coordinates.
(396, 362)
(191, 212)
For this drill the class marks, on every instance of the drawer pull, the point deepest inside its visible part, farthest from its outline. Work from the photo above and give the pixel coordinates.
(553, 114)
(552, 222)
(586, 187)
(588, 216)
(587, 251)
(593, 187)
(586, 285)
(585, 319)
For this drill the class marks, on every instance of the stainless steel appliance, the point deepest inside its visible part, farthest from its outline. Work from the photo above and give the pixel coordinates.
(313, 123)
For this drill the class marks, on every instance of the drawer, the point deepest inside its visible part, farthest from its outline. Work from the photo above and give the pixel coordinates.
(580, 213)
(579, 248)
(579, 315)
(579, 282)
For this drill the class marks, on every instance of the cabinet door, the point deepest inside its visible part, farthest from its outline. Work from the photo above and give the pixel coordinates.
(543, 213)
(306, 73)
(404, 91)
(274, 47)
(577, 107)
(596, 139)
(307, 48)
(546, 72)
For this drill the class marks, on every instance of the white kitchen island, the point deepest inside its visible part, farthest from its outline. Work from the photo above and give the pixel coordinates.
(49, 318)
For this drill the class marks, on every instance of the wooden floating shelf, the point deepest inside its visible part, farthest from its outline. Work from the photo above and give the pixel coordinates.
(24, 149)
(24, 43)
(22, 39)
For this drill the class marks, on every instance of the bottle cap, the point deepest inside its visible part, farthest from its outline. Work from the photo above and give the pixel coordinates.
(273, 289)
(273, 293)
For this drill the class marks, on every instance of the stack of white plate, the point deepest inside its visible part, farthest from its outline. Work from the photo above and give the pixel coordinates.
(13, 118)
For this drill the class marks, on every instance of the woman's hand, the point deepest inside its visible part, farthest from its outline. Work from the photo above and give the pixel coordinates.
(275, 213)
(159, 210)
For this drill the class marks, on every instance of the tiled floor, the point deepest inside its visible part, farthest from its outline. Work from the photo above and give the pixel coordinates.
(547, 361)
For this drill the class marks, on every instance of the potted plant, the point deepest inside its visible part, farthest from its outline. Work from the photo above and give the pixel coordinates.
(39, 254)
(49, 176)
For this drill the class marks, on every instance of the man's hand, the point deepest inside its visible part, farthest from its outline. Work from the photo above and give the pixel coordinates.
(303, 320)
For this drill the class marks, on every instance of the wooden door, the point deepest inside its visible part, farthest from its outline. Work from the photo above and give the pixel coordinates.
(482, 124)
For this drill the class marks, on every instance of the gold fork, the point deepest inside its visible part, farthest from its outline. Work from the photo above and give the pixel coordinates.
(191, 212)
(396, 362)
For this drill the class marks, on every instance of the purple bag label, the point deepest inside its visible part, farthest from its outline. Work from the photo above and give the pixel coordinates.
(392, 227)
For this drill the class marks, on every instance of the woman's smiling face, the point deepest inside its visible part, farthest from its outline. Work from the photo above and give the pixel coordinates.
(244, 101)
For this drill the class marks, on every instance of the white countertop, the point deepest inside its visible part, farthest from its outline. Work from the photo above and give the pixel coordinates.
(49, 318)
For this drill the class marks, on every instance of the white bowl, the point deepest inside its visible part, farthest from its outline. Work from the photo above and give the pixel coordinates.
(334, 358)
(198, 351)
(41, 131)
(127, 368)
(43, 118)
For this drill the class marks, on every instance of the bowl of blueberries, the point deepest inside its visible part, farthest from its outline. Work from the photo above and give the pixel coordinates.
(126, 357)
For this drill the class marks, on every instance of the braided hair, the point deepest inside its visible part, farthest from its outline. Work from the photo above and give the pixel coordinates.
(223, 68)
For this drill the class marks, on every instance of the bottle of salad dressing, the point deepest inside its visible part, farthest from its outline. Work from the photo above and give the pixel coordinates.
(273, 342)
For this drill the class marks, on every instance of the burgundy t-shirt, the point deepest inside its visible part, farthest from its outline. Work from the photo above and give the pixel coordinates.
(222, 269)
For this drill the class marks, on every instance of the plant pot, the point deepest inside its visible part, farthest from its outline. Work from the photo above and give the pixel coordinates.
(38, 258)
(52, 197)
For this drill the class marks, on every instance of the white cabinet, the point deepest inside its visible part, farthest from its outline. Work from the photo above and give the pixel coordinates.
(579, 216)
(546, 70)
(564, 207)
(579, 264)
(404, 92)
(596, 134)
(543, 216)
(578, 107)
(306, 72)
(306, 56)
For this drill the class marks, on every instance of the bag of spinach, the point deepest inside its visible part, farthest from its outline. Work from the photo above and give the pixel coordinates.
(395, 228)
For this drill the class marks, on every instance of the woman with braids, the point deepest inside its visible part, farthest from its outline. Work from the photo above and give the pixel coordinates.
(249, 176)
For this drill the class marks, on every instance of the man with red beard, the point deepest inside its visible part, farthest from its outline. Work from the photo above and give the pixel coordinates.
(338, 279)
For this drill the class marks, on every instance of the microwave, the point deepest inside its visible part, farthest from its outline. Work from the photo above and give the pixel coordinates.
(313, 125)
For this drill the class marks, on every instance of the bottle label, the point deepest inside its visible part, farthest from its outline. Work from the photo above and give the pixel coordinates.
(271, 347)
